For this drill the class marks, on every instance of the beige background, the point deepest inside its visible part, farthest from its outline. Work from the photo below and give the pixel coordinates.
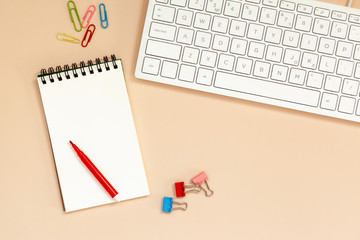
(277, 174)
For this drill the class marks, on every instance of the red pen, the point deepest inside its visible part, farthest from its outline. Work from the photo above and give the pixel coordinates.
(93, 169)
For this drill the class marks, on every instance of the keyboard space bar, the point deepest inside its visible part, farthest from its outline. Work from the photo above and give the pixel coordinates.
(267, 89)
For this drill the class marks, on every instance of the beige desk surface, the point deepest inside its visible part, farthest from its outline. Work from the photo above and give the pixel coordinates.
(277, 174)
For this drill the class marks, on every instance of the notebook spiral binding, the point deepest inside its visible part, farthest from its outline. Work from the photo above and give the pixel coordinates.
(74, 68)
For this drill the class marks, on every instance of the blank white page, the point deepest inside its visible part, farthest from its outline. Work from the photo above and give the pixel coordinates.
(94, 112)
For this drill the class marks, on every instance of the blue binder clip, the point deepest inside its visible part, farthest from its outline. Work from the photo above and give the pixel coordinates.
(105, 19)
(168, 205)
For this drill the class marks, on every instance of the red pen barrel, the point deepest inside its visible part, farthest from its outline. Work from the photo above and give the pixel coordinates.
(95, 171)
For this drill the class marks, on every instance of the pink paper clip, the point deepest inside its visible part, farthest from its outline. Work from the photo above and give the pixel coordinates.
(200, 179)
(90, 10)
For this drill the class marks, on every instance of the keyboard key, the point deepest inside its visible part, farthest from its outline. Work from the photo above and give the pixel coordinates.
(304, 8)
(357, 70)
(187, 73)
(292, 57)
(184, 17)
(203, 39)
(357, 52)
(297, 76)
(261, 69)
(327, 64)
(237, 28)
(162, 31)
(267, 89)
(268, 16)
(202, 21)
(191, 55)
(347, 105)
(164, 50)
(309, 60)
(162, 1)
(358, 109)
(205, 76)
(344, 49)
(271, 3)
(238, 46)
(338, 15)
(180, 3)
(339, 30)
(208, 58)
(285, 19)
(354, 34)
(345, 68)
(315, 80)
(151, 66)
(197, 4)
(291, 38)
(256, 50)
(164, 13)
(287, 5)
(273, 53)
(279, 73)
(329, 101)
(221, 43)
(243, 65)
(214, 6)
(169, 69)
(250, 12)
(322, 12)
(253, 1)
(354, 18)
(273, 35)
(326, 45)
(185, 36)
(220, 24)
(308, 42)
(232, 9)
(226, 62)
(332, 83)
(255, 31)
(303, 23)
(321, 26)
(350, 87)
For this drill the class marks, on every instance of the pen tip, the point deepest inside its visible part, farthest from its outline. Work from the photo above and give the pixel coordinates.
(71, 142)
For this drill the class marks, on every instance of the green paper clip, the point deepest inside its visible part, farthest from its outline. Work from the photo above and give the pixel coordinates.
(71, 15)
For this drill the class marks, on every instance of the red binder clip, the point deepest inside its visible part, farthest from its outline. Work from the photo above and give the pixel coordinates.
(181, 191)
(200, 179)
(88, 31)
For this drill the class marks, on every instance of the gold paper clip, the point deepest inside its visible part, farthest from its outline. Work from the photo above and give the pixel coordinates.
(67, 38)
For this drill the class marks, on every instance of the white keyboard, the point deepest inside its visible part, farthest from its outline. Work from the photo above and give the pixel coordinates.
(302, 55)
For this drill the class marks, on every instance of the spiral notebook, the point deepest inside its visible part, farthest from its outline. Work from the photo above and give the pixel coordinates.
(89, 105)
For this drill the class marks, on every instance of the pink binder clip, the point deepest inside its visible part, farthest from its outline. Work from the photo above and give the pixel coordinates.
(181, 191)
(200, 179)
(90, 10)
